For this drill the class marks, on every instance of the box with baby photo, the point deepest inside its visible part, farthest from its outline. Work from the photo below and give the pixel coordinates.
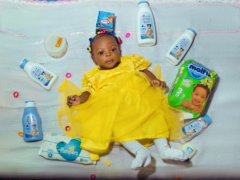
(191, 88)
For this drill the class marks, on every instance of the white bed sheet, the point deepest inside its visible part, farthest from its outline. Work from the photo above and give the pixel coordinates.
(25, 24)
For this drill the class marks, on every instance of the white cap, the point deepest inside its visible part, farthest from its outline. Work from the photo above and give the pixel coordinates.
(30, 103)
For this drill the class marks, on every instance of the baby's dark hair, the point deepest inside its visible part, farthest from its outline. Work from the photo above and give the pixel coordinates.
(118, 40)
(202, 86)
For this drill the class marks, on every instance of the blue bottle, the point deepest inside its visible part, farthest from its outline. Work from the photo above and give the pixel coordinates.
(31, 121)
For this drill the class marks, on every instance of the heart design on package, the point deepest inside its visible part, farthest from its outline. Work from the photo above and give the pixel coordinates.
(69, 151)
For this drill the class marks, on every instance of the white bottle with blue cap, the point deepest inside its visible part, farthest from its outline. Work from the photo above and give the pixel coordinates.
(146, 30)
(194, 127)
(32, 130)
(181, 46)
(39, 74)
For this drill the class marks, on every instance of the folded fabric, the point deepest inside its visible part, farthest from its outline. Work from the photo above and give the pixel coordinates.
(60, 147)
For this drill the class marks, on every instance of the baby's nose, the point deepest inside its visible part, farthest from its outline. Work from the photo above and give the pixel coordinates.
(108, 53)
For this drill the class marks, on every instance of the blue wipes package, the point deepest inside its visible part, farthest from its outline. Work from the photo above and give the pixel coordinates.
(60, 147)
(105, 22)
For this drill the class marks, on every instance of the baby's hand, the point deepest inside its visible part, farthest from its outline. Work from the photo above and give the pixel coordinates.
(157, 82)
(73, 100)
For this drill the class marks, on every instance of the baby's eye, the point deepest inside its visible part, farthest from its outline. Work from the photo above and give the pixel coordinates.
(100, 52)
(114, 49)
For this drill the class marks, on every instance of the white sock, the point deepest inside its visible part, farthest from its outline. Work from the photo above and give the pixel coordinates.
(142, 154)
(167, 153)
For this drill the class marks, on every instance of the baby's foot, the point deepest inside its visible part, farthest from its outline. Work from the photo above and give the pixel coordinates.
(142, 159)
(173, 154)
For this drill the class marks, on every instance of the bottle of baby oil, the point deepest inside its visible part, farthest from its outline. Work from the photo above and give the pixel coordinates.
(180, 46)
(194, 127)
(31, 122)
(39, 74)
(146, 31)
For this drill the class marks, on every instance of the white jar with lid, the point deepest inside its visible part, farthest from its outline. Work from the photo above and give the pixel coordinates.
(146, 31)
(56, 45)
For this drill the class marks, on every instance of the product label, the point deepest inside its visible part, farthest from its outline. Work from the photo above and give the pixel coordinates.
(41, 75)
(69, 151)
(179, 49)
(30, 126)
(197, 71)
(146, 26)
(193, 128)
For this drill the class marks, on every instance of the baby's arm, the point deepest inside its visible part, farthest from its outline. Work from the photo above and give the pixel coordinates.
(186, 104)
(153, 79)
(75, 99)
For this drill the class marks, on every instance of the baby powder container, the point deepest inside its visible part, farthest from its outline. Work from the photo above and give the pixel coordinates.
(180, 46)
(31, 122)
(56, 45)
(39, 74)
(146, 32)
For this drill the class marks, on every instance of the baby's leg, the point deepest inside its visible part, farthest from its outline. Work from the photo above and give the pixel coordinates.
(168, 153)
(142, 154)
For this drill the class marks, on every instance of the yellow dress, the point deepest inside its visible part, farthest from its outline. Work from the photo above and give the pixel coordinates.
(122, 106)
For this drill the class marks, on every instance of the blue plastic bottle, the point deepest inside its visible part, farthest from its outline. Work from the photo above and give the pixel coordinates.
(31, 121)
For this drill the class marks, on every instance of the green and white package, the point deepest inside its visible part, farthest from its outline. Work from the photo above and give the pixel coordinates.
(191, 87)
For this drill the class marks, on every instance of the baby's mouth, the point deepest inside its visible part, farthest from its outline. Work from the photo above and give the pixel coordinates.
(109, 61)
(197, 102)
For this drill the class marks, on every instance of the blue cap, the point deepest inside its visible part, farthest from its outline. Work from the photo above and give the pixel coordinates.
(190, 29)
(140, 2)
(23, 63)
(27, 101)
(207, 119)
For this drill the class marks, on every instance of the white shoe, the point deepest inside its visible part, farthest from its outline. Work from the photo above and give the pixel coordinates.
(173, 154)
(142, 159)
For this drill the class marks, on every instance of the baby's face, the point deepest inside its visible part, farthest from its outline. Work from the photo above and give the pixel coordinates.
(199, 96)
(106, 52)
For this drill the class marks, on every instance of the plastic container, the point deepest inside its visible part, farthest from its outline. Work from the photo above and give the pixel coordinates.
(146, 31)
(194, 127)
(180, 46)
(31, 122)
(56, 45)
(39, 74)
(189, 149)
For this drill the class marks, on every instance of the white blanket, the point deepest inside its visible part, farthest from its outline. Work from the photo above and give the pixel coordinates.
(25, 24)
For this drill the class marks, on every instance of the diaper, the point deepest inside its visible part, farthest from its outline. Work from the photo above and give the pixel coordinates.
(191, 88)
(59, 147)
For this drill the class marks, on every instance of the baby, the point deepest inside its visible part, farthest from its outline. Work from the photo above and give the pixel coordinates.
(122, 101)
(199, 95)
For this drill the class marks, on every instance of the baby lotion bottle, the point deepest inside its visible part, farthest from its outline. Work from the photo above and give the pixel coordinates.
(146, 32)
(39, 74)
(31, 122)
(194, 127)
(180, 46)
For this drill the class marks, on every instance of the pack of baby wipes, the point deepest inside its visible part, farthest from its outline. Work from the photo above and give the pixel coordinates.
(191, 88)
(60, 147)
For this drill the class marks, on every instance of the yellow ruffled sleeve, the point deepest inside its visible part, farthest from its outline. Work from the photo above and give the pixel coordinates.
(87, 84)
(140, 63)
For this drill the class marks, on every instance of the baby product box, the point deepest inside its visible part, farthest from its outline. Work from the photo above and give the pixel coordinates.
(191, 88)
(105, 21)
